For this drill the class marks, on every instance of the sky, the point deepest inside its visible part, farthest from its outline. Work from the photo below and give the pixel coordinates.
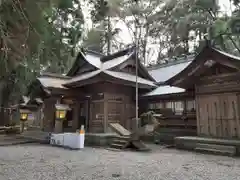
(225, 5)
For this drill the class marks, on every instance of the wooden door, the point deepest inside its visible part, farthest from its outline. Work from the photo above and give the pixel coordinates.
(96, 121)
(218, 115)
(205, 114)
(229, 116)
(115, 113)
(213, 115)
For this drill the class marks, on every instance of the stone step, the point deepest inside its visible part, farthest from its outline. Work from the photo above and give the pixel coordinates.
(113, 149)
(117, 146)
(120, 141)
(119, 129)
(216, 149)
(36, 135)
(123, 137)
(140, 146)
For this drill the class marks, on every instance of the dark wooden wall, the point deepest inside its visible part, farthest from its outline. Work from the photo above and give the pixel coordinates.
(110, 103)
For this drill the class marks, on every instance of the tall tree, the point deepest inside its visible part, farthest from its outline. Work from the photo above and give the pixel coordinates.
(103, 14)
(35, 36)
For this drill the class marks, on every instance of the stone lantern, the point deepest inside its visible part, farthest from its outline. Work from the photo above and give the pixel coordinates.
(60, 116)
(23, 118)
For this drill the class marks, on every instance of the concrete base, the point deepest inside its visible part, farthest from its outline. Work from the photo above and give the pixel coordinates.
(167, 135)
(191, 142)
(99, 139)
(7, 140)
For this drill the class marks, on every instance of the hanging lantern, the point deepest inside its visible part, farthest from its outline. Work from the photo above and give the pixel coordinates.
(24, 114)
(60, 114)
(61, 111)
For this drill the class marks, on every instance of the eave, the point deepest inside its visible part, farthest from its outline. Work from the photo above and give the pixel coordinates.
(205, 59)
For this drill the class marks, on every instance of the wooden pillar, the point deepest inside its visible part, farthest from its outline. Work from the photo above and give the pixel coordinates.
(87, 106)
(58, 126)
(49, 114)
(75, 116)
(238, 114)
(198, 115)
(41, 116)
(105, 111)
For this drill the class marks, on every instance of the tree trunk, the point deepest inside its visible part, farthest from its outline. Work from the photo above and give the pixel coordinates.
(145, 41)
(109, 31)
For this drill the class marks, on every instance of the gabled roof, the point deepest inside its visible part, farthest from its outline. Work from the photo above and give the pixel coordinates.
(205, 59)
(116, 75)
(93, 59)
(103, 65)
(130, 77)
(82, 77)
(117, 61)
(51, 82)
(163, 90)
(89, 57)
(101, 62)
(163, 72)
(54, 75)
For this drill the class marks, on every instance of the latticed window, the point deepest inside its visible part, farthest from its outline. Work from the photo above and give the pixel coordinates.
(159, 105)
(156, 105)
(176, 106)
(152, 106)
(191, 105)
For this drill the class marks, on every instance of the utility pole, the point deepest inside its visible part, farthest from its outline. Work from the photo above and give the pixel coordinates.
(136, 61)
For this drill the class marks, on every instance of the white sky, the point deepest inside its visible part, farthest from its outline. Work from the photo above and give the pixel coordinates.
(225, 5)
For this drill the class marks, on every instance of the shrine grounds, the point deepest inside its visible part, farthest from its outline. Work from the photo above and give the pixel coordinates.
(44, 162)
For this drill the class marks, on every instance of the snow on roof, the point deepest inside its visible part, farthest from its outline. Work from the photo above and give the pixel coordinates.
(102, 66)
(51, 82)
(226, 54)
(118, 75)
(129, 77)
(163, 90)
(116, 61)
(83, 77)
(163, 73)
(93, 60)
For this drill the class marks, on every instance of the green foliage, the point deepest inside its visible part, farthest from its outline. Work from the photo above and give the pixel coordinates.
(93, 40)
(100, 9)
(36, 36)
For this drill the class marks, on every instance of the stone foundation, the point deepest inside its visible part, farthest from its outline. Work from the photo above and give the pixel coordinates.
(99, 139)
(167, 135)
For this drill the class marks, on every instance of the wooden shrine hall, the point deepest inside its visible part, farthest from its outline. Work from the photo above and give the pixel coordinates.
(206, 86)
(202, 93)
(98, 90)
(213, 75)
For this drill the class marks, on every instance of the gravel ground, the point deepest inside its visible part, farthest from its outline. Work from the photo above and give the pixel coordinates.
(35, 162)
